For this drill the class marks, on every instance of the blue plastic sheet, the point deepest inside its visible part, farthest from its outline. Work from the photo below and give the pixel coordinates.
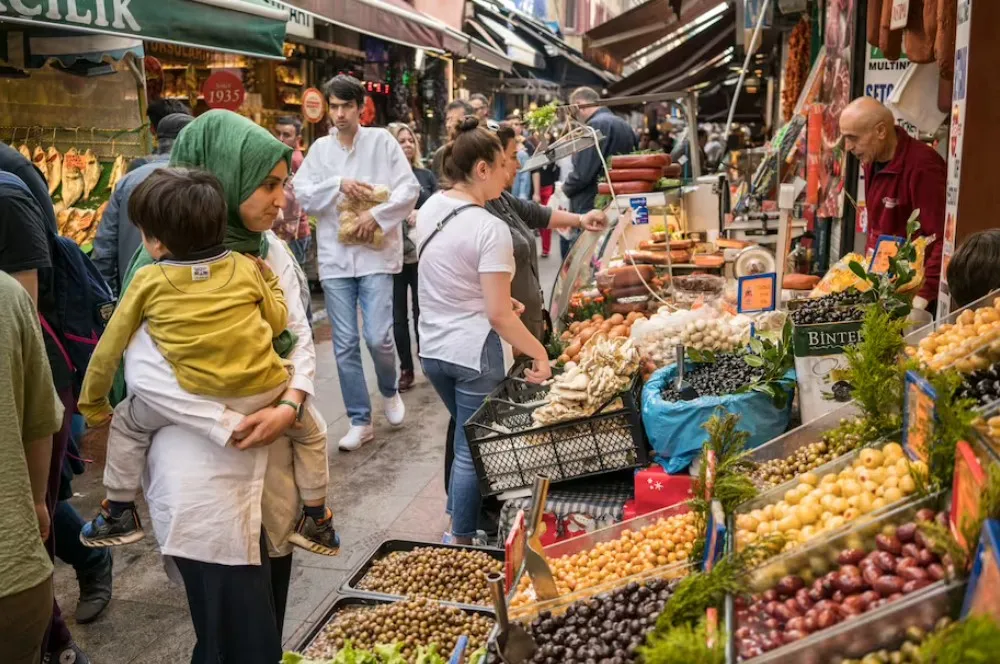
(674, 428)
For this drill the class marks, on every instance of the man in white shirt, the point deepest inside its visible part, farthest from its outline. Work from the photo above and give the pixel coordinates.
(348, 162)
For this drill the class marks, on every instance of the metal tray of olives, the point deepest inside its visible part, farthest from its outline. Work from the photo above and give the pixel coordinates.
(342, 604)
(350, 586)
(883, 628)
(879, 628)
(775, 494)
(808, 432)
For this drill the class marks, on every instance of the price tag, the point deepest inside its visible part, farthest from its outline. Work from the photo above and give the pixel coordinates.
(918, 416)
(887, 247)
(74, 161)
(223, 89)
(313, 105)
(640, 210)
(514, 549)
(757, 293)
(900, 14)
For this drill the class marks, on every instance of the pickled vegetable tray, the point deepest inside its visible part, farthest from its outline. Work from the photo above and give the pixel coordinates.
(352, 586)
(508, 449)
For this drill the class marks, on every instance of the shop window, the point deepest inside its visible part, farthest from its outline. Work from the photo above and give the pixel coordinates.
(572, 16)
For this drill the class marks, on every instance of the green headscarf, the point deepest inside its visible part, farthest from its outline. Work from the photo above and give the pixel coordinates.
(240, 154)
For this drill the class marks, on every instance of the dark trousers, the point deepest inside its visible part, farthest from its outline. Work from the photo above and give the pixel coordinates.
(66, 526)
(401, 283)
(234, 611)
(58, 636)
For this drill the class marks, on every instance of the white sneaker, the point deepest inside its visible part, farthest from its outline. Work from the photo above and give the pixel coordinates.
(356, 437)
(395, 409)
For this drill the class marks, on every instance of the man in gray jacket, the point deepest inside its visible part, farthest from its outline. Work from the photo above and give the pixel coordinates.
(117, 237)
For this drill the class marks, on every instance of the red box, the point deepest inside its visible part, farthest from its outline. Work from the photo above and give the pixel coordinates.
(655, 489)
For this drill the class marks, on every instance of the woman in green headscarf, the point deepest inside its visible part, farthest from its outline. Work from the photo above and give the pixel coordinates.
(224, 514)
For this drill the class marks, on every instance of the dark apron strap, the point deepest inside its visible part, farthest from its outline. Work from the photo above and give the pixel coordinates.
(441, 224)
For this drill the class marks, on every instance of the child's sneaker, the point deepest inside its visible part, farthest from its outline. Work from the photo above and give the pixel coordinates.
(316, 535)
(107, 530)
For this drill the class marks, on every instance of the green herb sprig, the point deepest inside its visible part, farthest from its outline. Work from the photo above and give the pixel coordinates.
(874, 370)
(975, 640)
(684, 643)
(774, 359)
(886, 286)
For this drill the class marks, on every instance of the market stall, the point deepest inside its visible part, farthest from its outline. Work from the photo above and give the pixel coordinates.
(73, 87)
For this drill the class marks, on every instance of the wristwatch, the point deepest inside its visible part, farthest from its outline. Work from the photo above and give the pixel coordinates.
(297, 407)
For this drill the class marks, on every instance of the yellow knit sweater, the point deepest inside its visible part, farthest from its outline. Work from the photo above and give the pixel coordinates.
(213, 321)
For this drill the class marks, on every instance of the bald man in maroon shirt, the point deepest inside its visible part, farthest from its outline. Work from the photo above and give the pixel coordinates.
(901, 175)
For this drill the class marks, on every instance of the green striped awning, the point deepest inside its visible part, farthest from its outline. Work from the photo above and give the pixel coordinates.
(248, 27)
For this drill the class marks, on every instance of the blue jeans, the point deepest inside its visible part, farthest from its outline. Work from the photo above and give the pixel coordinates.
(463, 391)
(374, 293)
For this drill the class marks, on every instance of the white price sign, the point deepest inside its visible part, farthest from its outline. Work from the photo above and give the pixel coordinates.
(900, 14)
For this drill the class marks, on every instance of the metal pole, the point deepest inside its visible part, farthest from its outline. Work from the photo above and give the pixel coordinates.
(694, 147)
(743, 72)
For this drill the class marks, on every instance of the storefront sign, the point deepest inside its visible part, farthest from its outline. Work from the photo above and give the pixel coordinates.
(756, 293)
(957, 132)
(300, 24)
(224, 89)
(918, 416)
(313, 105)
(900, 14)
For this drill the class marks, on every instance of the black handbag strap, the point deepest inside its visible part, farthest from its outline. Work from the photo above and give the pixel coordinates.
(441, 224)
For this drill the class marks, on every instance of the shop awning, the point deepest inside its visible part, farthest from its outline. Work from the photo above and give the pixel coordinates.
(247, 27)
(518, 49)
(646, 24)
(687, 64)
(390, 20)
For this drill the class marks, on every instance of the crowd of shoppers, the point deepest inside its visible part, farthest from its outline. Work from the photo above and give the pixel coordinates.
(201, 386)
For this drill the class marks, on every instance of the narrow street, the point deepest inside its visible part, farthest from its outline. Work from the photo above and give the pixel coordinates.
(392, 487)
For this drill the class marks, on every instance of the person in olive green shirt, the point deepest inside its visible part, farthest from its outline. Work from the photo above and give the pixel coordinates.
(214, 314)
(30, 412)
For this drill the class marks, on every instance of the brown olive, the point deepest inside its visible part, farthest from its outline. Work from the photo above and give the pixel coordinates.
(889, 543)
(855, 603)
(888, 585)
(850, 584)
(885, 561)
(935, 571)
(914, 573)
(926, 557)
(906, 532)
(850, 556)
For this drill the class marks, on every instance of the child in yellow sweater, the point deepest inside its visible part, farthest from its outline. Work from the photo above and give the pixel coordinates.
(213, 314)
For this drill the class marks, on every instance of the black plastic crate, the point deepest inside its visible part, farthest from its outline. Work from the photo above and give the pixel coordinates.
(509, 451)
(350, 586)
(353, 604)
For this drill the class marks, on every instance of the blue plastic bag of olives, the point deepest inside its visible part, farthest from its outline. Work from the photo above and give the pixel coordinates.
(674, 427)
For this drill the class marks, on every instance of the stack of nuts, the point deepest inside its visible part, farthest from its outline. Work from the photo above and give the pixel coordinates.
(956, 343)
(669, 540)
(877, 478)
(901, 563)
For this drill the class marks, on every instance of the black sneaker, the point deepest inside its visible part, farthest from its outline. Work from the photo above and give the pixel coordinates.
(95, 591)
(315, 535)
(105, 530)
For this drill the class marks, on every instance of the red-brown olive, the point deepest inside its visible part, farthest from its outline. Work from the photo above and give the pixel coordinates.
(911, 550)
(850, 556)
(850, 584)
(871, 574)
(913, 573)
(906, 561)
(793, 635)
(838, 597)
(889, 543)
(871, 597)
(893, 597)
(926, 514)
(927, 557)
(790, 585)
(915, 584)
(827, 618)
(885, 561)
(935, 571)
(855, 603)
(770, 595)
(906, 532)
(783, 613)
(849, 569)
(771, 608)
(798, 622)
(888, 584)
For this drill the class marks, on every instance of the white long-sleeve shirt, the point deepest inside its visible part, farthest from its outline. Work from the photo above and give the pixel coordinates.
(205, 497)
(375, 158)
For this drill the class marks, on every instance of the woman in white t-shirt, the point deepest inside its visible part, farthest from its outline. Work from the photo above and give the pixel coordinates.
(468, 322)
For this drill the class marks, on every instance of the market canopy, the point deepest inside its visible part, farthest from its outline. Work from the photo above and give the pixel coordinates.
(693, 62)
(247, 27)
(643, 26)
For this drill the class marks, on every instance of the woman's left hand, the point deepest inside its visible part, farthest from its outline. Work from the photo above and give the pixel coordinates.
(263, 427)
(411, 219)
(595, 221)
(518, 307)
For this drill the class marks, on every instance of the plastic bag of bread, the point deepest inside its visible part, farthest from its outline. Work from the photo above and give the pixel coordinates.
(839, 277)
(347, 234)
(351, 209)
